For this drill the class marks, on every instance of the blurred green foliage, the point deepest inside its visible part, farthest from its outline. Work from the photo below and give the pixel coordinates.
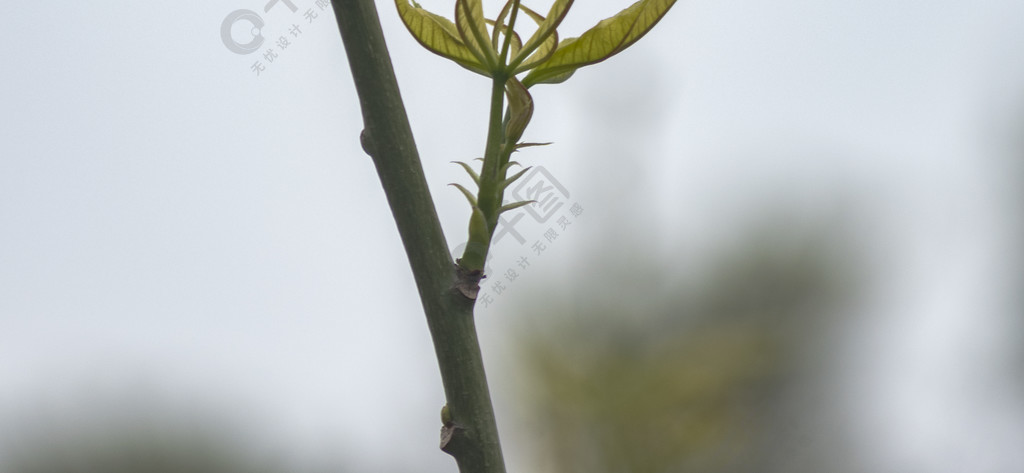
(652, 369)
(101, 440)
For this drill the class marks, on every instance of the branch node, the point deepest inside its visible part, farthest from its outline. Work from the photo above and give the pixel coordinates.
(449, 434)
(366, 141)
(468, 281)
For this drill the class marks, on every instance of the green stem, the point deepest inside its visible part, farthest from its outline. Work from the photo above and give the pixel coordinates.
(489, 196)
(471, 434)
(509, 33)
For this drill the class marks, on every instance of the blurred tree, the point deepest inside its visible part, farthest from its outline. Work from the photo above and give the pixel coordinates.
(107, 441)
(709, 373)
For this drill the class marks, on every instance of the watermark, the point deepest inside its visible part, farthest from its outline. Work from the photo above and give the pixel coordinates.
(541, 186)
(550, 218)
(244, 32)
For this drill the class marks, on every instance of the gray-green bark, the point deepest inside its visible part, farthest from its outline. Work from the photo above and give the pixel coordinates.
(471, 436)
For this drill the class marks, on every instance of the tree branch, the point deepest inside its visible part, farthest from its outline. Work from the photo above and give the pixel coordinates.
(471, 433)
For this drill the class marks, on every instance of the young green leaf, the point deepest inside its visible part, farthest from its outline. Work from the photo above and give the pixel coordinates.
(508, 165)
(499, 20)
(527, 145)
(607, 38)
(439, 35)
(520, 107)
(543, 51)
(472, 28)
(504, 184)
(516, 205)
(472, 173)
(469, 195)
(542, 38)
(515, 43)
(475, 256)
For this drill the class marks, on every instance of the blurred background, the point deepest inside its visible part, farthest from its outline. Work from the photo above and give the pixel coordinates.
(781, 238)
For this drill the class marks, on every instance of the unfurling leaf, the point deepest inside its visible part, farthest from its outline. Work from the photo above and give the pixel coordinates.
(475, 256)
(479, 232)
(469, 195)
(544, 39)
(520, 107)
(508, 165)
(499, 20)
(604, 40)
(510, 180)
(527, 145)
(472, 173)
(516, 205)
(439, 35)
(515, 43)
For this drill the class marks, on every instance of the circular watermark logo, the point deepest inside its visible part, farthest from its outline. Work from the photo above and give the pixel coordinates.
(257, 34)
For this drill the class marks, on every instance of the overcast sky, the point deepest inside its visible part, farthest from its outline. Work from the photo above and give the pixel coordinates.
(182, 220)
